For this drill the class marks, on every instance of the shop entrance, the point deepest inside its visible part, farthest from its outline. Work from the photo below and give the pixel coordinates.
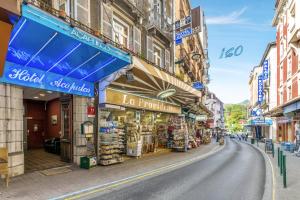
(47, 129)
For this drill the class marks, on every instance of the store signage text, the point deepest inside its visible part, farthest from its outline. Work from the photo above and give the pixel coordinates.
(138, 102)
(266, 69)
(31, 77)
(260, 89)
(186, 32)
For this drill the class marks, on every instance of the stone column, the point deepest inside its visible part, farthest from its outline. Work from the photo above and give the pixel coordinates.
(11, 126)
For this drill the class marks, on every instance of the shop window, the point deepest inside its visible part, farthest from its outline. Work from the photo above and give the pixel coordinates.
(120, 32)
(82, 11)
(62, 5)
(157, 55)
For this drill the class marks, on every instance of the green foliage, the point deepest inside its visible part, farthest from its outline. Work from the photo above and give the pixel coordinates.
(234, 114)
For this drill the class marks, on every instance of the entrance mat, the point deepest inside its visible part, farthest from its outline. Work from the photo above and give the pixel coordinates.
(57, 170)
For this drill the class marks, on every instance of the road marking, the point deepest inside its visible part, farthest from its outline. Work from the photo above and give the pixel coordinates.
(114, 184)
(273, 179)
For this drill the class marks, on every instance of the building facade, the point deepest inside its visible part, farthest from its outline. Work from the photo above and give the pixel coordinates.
(287, 23)
(118, 55)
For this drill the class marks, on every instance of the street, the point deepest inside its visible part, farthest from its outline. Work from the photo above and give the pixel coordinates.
(236, 172)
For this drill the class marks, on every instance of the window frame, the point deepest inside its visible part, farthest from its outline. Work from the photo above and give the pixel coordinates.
(116, 20)
(155, 46)
(87, 9)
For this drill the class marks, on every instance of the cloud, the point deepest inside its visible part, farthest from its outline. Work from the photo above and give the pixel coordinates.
(232, 18)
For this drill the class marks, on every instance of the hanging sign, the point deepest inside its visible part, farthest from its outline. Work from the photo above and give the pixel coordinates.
(31, 77)
(198, 85)
(266, 69)
(260, 88)
(186, 32)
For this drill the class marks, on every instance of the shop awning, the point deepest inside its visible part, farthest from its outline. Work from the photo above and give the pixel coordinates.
(147, 80)
(51, 50)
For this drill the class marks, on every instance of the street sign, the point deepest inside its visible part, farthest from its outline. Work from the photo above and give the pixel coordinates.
(186, 32)
(183, 22)
(179, 41)
(260, 94)
(266, 69)
(198, 85)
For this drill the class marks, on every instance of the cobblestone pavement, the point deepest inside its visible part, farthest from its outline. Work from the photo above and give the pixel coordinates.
(38, 186)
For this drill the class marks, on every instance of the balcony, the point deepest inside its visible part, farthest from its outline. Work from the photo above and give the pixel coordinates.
(137, 6)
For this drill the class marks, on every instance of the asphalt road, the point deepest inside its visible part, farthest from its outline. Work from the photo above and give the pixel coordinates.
(235, 173)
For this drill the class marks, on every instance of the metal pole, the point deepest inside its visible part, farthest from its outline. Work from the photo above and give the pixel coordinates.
(281, 162)
(273, 151)
(284, 170)
(96, 125)
(278, 159)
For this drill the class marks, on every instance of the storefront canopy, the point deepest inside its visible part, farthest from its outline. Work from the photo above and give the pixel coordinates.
(46, 52)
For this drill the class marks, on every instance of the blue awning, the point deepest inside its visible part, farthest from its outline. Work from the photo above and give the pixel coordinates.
(42, 43)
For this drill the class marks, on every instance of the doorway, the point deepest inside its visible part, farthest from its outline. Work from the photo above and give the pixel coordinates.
(44, 130)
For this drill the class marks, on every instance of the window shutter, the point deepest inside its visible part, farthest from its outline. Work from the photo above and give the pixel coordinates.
(137, 40)
(82, 9)
(167, 60)
(107, 21)
(150, 49)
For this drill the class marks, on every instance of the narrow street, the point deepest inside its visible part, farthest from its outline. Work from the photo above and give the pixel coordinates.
(236, 172)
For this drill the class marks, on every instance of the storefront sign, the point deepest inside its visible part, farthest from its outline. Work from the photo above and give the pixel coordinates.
(186, 32)
(262, 121)
(198, 85)
(91, 111)
(31, 77)
(201, 117)
(260, 89)
(129, 100)
(266, 69)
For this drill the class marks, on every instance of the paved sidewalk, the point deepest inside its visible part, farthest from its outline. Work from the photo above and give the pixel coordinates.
(292, 191)
(38, 186)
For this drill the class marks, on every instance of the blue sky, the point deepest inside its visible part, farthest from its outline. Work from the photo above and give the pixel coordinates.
(232, 23)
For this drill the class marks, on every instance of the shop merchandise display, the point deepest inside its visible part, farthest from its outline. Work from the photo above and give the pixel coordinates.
(180, 133)
(134, 140)
(162, 134)
(110, 148)
(147, 138)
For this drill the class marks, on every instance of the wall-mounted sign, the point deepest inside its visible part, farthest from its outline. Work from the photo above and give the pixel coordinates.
(266, 69)
(256, 112)
(186, 32)
(138, 102)
(260, 95)
(183, 22)
(31, 77)
(91, 112)
(179, 41)
(198, 85)
(196, 17)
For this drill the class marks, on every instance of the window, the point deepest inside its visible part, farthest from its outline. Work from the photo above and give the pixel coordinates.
(82, 11)
(281, 74)
(157, 55)
(292, 19)
(62, 5)
(289, 67)
(289, 93)
(157, 12)
(120, 32)
(281, 50)
(281, 98)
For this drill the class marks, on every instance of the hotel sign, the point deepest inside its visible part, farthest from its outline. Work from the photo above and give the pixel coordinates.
(31, 77)
(138, 102)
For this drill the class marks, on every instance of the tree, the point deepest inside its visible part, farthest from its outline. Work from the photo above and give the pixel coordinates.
(234, 115)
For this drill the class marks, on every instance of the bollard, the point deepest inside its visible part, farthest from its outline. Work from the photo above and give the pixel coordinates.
(281, 154)
(278, 161)
(284, 170)
(273, 152)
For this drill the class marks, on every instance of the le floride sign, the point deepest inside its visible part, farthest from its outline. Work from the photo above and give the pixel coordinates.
(129, 100)
(31, 77)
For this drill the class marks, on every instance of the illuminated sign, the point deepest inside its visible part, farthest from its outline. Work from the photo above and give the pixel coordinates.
(31, 77)
(166, 93)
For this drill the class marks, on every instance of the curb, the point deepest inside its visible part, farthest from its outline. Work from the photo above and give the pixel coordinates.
(148, 174)
(269, 192)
